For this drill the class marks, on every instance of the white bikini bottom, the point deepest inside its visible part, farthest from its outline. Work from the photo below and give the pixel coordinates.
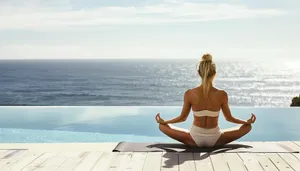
(205, 137)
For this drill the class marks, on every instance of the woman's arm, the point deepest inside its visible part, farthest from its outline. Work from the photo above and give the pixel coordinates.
(227, 113)
(184, 112)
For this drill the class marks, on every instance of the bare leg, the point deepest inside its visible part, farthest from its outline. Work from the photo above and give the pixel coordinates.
(233, 134)
(178, 134)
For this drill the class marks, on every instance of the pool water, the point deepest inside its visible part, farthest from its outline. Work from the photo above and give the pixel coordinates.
(128, 123)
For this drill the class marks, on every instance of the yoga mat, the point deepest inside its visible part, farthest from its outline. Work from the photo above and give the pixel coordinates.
(240, 147)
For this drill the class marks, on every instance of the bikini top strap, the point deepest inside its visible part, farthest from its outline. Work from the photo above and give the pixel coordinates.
(195, 95)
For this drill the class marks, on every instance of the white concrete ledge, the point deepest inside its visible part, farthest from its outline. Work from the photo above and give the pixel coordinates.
(60, 147)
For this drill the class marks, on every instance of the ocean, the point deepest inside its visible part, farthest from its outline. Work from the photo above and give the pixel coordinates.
(129, 82)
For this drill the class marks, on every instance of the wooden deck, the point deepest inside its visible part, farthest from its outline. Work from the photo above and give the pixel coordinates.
(98, 157)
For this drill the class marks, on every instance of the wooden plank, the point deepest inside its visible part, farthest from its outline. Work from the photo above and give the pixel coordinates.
(265, 162)
(12, 153)
(20, 163)
(186, 162)
(278, 162)
(285, 161)
(103, 162)
(203, 162)
(170, 161)
(292, 145)
(120, 161)
(9, 155)
(17, 160)
(250, 161)
(126, 161)
(52, 163)
(137, 161)
(38, 162)
(6, 162)
(296, 145)
(4, 153)
(89, 161)
(72, 160)
(235, 163)
(297, 142)
(153, 161)
(133, 161)
(115, 162)
(291, 160)
(219, 162)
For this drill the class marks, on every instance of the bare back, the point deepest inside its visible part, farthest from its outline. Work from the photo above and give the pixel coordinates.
(199, 103)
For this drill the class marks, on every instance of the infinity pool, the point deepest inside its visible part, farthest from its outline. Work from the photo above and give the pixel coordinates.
(128, 123)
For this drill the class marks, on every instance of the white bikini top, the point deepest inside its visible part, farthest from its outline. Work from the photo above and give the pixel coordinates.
(206, 113)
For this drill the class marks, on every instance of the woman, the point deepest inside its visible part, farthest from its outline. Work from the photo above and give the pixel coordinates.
(206, 101)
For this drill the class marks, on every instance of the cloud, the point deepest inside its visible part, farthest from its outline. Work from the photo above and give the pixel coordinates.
(35, 51)
(41, 16)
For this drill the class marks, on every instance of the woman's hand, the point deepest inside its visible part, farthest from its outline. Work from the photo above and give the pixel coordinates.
(252, 119)
(159, 119)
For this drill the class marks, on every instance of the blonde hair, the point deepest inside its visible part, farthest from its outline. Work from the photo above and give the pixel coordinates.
(206, 70)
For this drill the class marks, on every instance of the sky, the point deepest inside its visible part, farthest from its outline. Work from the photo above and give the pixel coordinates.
(161, 29)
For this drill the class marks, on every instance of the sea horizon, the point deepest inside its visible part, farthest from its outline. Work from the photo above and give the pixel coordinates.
(141, 82)
(153, 59)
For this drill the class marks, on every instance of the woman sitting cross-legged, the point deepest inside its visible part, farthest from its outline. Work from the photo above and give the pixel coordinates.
(206, 101)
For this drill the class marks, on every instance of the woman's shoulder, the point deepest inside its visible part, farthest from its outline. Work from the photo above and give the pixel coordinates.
(222, 95)
(220, 90)
(191, 92)
(196, 89)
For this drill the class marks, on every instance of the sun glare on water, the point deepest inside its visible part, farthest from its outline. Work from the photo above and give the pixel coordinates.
(292, 65)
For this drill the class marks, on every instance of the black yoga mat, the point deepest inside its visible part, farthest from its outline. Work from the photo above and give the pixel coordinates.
(239, 147)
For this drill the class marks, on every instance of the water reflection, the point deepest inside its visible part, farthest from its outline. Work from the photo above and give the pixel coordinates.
(273, 124)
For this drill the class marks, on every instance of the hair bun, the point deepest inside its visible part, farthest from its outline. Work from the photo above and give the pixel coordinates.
(207, 57)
